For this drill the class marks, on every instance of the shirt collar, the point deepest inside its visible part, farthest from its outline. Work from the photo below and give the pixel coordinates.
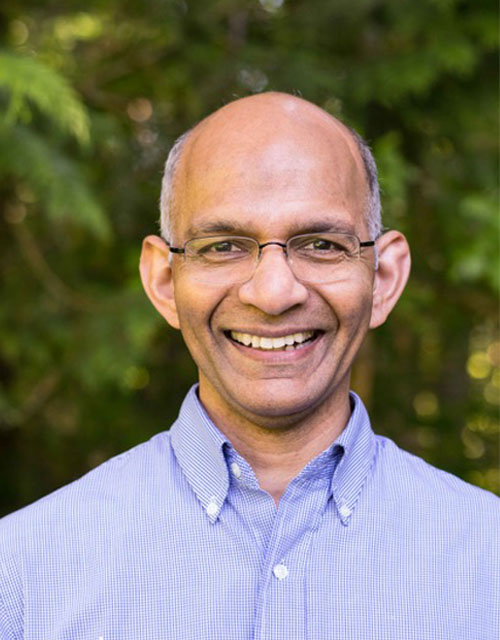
(197, 444)
(358, 442)
(199, 448)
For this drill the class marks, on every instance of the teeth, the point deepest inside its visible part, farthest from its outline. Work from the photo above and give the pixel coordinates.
(258, 342)
(266, 343)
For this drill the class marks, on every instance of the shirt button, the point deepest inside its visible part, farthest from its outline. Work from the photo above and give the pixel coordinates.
(212, 509)
(280, 571)
(236, 470)
(344, 511)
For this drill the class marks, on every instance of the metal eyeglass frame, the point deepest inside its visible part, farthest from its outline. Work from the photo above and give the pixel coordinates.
(284, 246)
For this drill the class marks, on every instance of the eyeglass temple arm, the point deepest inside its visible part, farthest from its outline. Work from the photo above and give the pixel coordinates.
(174, 249)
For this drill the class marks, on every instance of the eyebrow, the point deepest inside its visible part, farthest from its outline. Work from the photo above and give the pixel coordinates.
(320, 225)
(214, 227)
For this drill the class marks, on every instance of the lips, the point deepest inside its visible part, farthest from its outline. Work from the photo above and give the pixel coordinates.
(286, 342)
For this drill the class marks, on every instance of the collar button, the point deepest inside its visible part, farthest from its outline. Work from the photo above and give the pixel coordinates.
(212, 509)
(236, 470)
(344, 511)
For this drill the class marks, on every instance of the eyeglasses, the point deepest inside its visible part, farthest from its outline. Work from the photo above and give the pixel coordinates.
(312, 257)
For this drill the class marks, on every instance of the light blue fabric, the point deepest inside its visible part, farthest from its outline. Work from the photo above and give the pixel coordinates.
(175, 540)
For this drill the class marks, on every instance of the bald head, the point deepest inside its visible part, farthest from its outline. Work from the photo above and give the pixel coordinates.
(256, 133)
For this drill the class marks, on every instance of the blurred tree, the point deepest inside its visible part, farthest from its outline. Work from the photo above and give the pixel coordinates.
(91, 98)
(31, 89)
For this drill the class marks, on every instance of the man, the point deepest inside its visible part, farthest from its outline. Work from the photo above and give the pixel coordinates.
(270, 510)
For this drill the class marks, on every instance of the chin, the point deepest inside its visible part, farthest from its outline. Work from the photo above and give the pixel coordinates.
(278, 407)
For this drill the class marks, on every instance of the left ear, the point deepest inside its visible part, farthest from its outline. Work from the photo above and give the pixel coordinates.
(391, 276)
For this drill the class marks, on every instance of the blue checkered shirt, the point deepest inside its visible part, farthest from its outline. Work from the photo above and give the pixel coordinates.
(175, 540)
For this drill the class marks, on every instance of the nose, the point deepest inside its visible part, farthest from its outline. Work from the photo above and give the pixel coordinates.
(273, 288)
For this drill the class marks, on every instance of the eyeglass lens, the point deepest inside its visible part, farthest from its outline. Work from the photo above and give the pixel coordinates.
(312, 258)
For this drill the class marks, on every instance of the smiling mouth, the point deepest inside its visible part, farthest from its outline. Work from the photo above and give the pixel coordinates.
(290, 342)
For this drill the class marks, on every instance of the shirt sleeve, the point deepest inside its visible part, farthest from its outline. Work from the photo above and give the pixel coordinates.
(7, 626)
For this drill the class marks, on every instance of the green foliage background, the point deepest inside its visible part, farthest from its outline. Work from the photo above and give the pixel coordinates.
(91, 97)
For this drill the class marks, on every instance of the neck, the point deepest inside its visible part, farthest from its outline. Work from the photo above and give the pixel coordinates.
(278, 454)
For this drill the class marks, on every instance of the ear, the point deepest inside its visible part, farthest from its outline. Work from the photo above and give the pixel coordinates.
(391, 275)
(157, 278)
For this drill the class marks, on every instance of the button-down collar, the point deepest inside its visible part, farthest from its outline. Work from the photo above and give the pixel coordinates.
(198, 446)
(205, 456)
(358, 442)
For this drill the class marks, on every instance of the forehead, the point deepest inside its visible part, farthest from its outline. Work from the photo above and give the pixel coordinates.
(266, 169)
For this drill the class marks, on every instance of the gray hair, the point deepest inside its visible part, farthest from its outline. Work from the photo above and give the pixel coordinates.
(167, 185)
(373, 208)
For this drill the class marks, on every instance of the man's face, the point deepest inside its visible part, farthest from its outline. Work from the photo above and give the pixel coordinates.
(282, 179)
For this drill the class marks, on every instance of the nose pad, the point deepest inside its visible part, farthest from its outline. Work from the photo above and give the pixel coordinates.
(273, 288)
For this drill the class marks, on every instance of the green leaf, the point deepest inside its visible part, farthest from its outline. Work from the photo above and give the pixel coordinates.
(54, 178)
(30, 83)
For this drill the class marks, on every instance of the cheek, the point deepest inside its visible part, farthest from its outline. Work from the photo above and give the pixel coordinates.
(359, 310)
(196, 304)
(192, 311)
(351, 301)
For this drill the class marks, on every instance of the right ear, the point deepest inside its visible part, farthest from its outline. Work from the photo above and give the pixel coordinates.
(157, 278)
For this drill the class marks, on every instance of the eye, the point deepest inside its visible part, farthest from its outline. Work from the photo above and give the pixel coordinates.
(318, 247)
(221, 249)
(224, 246)
(320, 244)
